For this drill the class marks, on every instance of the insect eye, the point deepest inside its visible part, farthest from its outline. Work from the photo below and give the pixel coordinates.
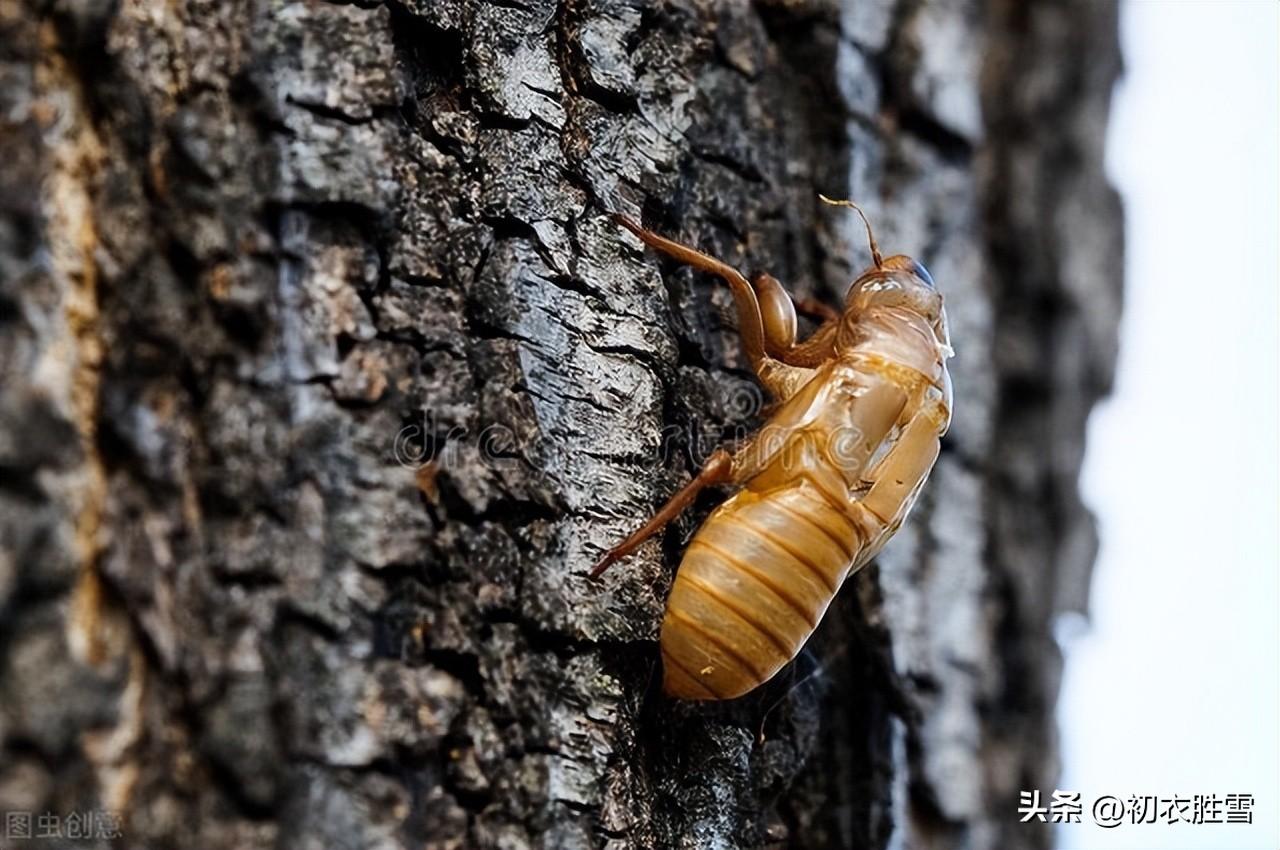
(918, 269)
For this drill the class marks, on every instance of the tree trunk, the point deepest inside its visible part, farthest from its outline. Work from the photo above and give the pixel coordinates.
(326, 377)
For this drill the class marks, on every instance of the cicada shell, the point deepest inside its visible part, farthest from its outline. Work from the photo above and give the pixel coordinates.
(828, 479)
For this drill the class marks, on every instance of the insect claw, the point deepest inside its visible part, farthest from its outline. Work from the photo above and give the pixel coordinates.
(627, 222)
(607, 560)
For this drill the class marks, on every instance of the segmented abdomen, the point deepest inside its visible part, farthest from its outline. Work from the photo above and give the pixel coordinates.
(752, 587)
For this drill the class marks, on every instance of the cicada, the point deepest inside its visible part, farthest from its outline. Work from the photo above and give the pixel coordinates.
(861, 405)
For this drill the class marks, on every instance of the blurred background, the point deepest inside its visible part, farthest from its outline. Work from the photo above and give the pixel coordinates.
(1171, 689)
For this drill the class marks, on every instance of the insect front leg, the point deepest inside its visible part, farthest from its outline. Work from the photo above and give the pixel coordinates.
(778, 315)
(778, 378)
(749, 321)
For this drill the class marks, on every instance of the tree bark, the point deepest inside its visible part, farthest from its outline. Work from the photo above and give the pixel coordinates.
(326, 377)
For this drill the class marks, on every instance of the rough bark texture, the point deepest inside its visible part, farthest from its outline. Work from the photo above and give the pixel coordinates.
(326, 377)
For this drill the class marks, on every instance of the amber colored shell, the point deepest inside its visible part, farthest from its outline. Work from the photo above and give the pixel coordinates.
(860, 439)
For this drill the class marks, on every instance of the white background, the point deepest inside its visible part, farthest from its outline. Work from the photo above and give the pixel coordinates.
(1174, 686)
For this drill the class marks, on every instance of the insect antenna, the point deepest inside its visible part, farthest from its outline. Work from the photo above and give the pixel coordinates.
(875, 249)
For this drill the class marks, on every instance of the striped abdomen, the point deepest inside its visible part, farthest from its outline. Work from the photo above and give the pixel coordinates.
(752, 587)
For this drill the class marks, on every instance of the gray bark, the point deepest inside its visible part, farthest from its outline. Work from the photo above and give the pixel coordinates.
(326, 377)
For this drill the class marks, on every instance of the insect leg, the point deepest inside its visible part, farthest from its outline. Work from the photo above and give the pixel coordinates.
(778, 311)
(721, 468)
(817, 309)
(717, 470)
(778, 314)
(816, 349)
(778, 378)
(749, 322)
